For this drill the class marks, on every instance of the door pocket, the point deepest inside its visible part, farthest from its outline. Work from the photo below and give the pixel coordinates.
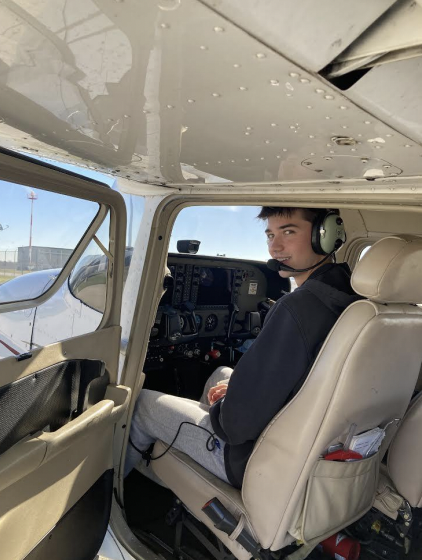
(49, 399)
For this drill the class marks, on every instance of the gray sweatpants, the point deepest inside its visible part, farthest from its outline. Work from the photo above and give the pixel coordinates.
(159, 416)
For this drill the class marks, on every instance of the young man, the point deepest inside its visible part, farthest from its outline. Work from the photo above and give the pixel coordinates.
(221, 435)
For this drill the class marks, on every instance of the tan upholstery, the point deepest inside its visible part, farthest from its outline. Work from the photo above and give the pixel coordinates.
(364, 374)
(387, 500)
(197, 486)
(49, 473)
(389, 271)
(44, 475)
(405, 455)
(402, 476)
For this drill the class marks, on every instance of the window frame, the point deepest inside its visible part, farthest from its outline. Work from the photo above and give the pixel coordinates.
(18, 168)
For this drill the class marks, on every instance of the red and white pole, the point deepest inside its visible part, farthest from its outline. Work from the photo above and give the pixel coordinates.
(32, 196)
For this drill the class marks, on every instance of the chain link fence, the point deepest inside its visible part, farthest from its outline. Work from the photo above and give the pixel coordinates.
(15, 262)
(9, 267)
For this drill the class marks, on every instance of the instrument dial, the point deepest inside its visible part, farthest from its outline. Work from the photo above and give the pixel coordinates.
(183, 322)
(211, 322)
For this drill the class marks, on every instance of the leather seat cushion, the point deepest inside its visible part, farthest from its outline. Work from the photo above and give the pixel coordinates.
(196, 486)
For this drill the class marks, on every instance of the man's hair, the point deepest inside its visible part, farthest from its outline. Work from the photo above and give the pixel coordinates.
(309, 214)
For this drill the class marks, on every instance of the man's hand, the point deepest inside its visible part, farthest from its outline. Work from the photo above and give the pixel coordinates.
(217, 392)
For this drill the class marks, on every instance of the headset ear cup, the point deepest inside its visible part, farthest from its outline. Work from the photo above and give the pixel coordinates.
(328, 233)
(316, 234)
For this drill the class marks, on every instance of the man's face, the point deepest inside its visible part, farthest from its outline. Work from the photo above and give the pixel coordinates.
(289, 241)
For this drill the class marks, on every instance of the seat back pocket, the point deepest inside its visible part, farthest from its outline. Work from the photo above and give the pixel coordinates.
(337, 494)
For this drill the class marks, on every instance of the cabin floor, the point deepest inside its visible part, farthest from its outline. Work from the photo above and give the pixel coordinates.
(147, 505)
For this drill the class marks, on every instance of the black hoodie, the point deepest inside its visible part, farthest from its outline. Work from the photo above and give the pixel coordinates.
(276, 365)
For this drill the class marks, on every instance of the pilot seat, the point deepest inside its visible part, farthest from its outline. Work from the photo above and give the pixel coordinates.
(365, 376)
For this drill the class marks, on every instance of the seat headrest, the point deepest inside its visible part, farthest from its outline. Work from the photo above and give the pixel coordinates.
(391, 271)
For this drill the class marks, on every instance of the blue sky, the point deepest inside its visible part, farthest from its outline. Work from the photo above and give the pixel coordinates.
(60, 221)
(230, 230)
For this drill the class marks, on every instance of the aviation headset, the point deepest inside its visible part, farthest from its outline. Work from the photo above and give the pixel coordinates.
(328, 233)
(327, 236)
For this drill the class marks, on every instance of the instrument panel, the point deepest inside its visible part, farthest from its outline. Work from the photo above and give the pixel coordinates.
(207, 286)
(214, 298)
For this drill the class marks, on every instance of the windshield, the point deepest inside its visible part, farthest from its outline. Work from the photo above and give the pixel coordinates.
(224, 231)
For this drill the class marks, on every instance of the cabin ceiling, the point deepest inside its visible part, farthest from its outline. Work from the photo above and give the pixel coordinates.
(173, 92)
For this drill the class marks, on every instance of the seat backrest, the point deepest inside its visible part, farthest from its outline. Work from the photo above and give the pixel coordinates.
(364, 374)
(405, 455)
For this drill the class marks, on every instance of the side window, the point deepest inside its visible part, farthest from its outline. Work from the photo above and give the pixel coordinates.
(39, 230)
(88, 279)
(77, 307)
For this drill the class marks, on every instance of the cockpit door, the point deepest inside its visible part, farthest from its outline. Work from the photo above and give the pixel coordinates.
(59, 403)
